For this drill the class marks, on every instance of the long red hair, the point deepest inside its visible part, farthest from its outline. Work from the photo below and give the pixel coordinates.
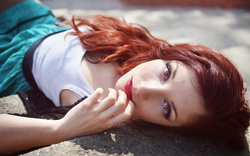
(220, 83)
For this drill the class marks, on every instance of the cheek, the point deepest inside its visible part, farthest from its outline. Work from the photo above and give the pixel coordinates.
(146, 69)
(146, 113)
(120, 83)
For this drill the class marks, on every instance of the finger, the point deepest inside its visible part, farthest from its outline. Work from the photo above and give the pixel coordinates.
(62, 24)
(123, 116)
(58, 24)
(61, 18)
(108, 101)
(94, 97)
(119, 106)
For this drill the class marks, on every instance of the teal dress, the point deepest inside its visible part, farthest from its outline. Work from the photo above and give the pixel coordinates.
(21, 26)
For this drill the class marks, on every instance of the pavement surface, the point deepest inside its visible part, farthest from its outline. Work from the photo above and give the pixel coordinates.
(225, 30)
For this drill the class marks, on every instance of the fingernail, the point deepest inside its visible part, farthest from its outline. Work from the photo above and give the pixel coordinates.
(99, 90)
(111, 89)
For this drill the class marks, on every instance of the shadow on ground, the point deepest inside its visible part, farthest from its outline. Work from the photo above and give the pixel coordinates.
(132, 138)
(228, 31)
(140, 138)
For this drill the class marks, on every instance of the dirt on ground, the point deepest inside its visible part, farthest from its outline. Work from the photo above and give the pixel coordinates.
(225, 30)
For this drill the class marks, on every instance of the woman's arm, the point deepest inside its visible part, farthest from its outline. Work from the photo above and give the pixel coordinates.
(88, 117)
(19, 133)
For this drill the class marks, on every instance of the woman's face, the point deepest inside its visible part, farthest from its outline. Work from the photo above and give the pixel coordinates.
(164, 92)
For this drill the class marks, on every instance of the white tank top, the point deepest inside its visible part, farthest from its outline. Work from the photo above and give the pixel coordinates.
(57, 66)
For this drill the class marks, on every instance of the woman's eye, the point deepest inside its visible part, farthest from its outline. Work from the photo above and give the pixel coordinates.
(167, 72)
(166, 109)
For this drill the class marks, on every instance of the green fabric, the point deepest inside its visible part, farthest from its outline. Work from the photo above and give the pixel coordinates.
(20, 26)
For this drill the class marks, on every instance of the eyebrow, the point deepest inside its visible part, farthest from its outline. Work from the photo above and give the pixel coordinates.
(174, 73)
(174, 108)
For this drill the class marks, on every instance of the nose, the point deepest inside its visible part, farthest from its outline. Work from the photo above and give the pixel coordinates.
(146, 90)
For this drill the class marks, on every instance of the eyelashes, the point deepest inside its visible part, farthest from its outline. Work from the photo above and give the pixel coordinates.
(166, 109)
(167, 72)
(166, 106)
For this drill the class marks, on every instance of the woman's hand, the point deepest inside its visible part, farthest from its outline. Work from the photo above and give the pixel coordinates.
(65, 20)
(87, 117)
(90, 116)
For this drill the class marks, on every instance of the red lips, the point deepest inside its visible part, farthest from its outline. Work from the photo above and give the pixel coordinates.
(128, 89)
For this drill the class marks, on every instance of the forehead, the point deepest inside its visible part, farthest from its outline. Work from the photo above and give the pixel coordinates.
(188, 100)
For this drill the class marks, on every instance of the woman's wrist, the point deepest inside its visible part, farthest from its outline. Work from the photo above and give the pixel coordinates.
(58, 131)
(62, 131)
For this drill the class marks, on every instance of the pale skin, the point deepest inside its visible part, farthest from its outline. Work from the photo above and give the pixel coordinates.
(149, 90)
(88, 117)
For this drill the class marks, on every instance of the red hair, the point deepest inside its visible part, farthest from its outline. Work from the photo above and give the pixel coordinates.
(220, 83)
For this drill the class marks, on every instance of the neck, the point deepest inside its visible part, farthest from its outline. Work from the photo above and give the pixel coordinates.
(100, 75)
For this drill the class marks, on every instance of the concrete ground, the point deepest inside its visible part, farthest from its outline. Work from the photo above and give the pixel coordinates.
(225, 30)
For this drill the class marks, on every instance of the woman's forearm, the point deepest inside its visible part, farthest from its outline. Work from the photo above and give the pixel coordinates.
(20, 133)
(88, 117)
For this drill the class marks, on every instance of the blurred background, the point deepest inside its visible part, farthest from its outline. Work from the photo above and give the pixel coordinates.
(227, 4)
(223, 25)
